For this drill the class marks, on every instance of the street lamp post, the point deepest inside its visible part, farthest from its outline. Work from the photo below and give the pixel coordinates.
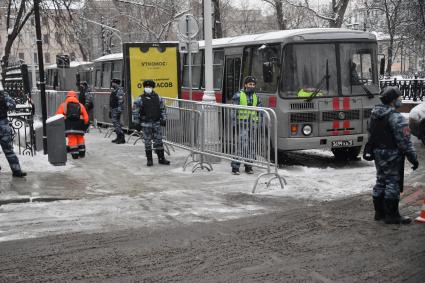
(41, 71)
(209, 87)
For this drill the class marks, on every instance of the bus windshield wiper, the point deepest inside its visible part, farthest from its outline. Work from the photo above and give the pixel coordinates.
(319, 85)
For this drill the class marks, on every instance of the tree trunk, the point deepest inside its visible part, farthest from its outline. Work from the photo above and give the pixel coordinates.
(279, 14)
(390, 55)
(218, 30)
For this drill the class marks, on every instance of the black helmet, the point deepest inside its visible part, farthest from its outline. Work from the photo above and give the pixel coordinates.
(150, 83)
(389, 94)
(250, 79)
(115, 80)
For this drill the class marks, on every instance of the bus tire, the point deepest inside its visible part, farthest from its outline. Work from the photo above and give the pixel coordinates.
(346, 153)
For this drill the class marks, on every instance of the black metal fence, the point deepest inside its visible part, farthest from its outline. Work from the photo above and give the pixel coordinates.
(21, 120)
(412, 89)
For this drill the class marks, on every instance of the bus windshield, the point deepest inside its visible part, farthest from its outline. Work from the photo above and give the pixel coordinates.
(310, 70)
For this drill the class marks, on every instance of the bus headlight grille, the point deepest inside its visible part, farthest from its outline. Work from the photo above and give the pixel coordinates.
(307, 117)
(337, 115)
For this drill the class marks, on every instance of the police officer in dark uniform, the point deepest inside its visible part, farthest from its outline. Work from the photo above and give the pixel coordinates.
(8, 104)
(116, 101)
(149, 112)
(389, 134)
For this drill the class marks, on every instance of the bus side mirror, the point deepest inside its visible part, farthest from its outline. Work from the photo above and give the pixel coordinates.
(268, 72)
(382, 67)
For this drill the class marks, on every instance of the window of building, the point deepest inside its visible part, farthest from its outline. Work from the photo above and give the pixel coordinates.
(45, 21)
(45, 38)
(47, 58)
(22, 56)
(35, 58)
(58, 38)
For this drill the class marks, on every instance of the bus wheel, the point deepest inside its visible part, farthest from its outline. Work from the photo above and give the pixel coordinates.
(346, 153)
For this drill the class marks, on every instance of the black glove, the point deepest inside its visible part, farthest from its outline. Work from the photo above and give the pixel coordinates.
(415, 165)
(162, 122)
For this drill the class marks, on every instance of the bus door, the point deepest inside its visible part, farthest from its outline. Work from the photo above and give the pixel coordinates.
(232, 77)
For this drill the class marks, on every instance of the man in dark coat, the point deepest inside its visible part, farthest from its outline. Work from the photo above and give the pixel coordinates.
(8, 104)
(149, 112)
(390, 135)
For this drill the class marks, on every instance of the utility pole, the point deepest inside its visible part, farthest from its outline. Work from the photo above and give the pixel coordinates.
(41, 71)
(209, 88)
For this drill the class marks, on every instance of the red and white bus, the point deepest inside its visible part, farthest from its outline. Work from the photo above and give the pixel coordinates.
(322, 83)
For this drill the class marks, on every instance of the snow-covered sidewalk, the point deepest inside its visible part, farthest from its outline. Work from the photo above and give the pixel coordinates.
(113, 189)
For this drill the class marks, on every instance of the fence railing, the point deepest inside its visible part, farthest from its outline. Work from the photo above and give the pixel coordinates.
(411, 89)
(240, 134)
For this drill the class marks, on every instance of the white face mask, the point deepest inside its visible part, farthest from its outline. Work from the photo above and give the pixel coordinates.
(148, 89)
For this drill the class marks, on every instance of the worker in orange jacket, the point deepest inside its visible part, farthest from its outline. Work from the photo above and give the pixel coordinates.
(76, 123)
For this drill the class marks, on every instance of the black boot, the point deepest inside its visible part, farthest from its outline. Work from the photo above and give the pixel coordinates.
(392, 215)
(120, 139)
(115, 140)
(19, 174)
(149, 157)
(161, 158)
(378, 203)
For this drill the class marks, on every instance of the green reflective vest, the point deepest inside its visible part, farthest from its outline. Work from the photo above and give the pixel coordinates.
(247, 114)
(306, 93)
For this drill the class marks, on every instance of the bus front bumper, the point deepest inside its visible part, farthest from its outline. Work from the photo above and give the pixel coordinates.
(327, 142)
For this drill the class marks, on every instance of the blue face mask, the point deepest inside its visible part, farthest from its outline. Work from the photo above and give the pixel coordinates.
(397, 104)
(250, 90)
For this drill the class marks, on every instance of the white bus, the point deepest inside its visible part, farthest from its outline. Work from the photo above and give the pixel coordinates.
(322, 83)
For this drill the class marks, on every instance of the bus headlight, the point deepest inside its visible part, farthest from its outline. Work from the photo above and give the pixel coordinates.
(307, 130)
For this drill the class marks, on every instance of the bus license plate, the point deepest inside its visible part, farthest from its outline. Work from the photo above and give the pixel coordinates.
(342, 143)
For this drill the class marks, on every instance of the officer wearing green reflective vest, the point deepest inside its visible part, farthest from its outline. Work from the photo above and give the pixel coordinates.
(246, 122)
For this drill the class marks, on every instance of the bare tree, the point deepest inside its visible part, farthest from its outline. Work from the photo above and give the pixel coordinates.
(154, 17)
(396, 21)
(18, 12)
(334, 16)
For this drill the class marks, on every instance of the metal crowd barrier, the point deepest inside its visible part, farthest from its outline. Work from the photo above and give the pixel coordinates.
(236, 133)
(411, 89)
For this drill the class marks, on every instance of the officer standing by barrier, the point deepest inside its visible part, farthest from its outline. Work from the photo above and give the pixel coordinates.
(149, 112)
(389, 135)
(8, 104)
(86, 98)
(116, 101)
(246, 121)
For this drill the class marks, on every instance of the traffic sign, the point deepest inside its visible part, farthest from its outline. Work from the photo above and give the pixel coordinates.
(188, 26)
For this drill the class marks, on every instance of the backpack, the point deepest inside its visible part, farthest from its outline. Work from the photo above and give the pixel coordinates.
(73, 111)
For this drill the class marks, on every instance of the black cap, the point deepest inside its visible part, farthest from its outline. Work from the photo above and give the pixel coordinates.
(115, 80)
(150, 83)
(250, 79)
(389, 94)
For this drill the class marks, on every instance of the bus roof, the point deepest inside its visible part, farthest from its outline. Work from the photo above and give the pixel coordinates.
(109, 57)
(72, 64)
(302, 34)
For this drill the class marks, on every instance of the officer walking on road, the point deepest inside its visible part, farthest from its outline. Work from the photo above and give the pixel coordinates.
(389, 134)
(8, 104)
(116, 102)
(246, 122)
(149, 112)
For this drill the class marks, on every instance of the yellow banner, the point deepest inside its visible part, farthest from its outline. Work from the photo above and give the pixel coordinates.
(161, 67)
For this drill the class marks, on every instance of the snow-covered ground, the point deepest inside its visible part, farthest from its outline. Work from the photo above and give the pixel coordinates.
(113, 189)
